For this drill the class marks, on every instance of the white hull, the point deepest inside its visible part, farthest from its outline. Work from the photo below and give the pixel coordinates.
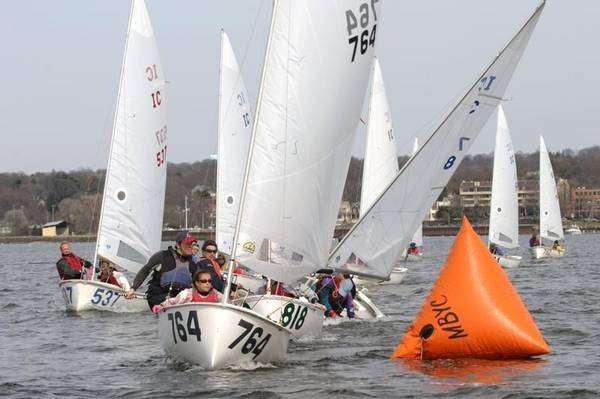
(396, 277)
(216, 335)
(253, 283)
(545, 252)
(365, 309)
(81, 295)
(413, 258)
(300, 317)
(574, 231)
(509, 261)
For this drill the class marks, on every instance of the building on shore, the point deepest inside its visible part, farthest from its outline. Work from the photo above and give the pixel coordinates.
(55, 229)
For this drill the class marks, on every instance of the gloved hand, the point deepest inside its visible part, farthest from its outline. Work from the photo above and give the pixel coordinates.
(156, 309)
(331, 313)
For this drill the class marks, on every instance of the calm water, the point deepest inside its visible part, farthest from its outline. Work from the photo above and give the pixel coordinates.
(45, 352)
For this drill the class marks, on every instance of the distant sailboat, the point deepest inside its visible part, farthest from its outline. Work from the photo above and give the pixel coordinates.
(550, 218)
(504, 205)
(134, 193)
(381, 159)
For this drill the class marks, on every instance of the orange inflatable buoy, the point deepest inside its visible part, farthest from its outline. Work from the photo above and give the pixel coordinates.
(472, 311)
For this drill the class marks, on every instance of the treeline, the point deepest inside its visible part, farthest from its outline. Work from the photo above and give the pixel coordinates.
(28, 200)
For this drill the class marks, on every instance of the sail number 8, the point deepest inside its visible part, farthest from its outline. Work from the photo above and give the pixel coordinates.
(297, 321)
(365, 37)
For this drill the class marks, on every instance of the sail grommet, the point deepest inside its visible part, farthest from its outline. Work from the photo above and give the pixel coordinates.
(121, 195)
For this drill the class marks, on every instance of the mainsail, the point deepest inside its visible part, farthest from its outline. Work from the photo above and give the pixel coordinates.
(550, 218)
(134, 193)
(504, 207)
(235, 128)
(379, 237)
(381, 159)
(314, 80)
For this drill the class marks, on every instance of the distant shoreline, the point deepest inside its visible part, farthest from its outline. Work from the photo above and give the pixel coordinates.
(169, 235)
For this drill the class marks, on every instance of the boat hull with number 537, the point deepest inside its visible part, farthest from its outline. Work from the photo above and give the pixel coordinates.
(82, 295)
(301, 317)
(217, 335)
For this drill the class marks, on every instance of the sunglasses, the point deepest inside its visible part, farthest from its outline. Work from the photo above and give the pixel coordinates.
(204, 281)
(213, 251)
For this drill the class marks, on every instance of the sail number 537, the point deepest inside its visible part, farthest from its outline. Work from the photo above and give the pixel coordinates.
(361, 39)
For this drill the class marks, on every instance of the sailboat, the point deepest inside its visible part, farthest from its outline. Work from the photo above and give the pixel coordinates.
(550, 218)
(417, 238)
(382, 232)
(132, 203)
(235, 130)
(381, 159)
(299, 154)
(504, 205)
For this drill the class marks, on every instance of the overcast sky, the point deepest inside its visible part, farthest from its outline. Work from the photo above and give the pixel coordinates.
(62, 59)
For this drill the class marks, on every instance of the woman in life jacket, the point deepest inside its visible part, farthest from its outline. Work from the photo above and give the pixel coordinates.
(110, 275)
(202, 291)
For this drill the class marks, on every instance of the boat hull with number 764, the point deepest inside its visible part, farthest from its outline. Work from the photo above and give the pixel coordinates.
(82, 295)
(217, 335)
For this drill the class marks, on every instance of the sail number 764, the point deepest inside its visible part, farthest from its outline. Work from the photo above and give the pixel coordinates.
(364, 38)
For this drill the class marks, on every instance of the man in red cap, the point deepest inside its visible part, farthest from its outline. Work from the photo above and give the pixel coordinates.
(172, 271)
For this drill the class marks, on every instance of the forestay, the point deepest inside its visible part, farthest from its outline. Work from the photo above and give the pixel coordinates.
(381, 159)
(314, 81)
(386, 228)
(132, 207)
(235, 128)
(504, 208)
(550, 218)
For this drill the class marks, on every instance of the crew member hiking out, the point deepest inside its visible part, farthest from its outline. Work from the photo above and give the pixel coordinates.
(171, 269)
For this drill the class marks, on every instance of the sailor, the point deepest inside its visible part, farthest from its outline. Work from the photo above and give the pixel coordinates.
(195, 252)
(533, 241)
(413, 249)
(171, 269)
(209, 263)
(325, 289)
(556, 246)
(71, 266)
(344, 294)
(496, 250)
(110, 275)
(202, 291)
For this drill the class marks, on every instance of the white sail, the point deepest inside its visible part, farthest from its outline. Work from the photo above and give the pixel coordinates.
(418, 236)
(550, 218)
(504, 206)
(235, 128)
(385, 230)
(134, 193)
(314, 81)
(381, 158)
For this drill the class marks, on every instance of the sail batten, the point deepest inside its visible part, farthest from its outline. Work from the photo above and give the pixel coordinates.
(378, 238)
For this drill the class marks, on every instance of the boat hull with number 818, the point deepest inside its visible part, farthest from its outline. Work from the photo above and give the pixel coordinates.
(301, 317)
(217, 335)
